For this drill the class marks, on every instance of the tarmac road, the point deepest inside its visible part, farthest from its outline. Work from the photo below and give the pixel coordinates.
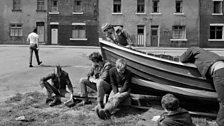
(17, 77)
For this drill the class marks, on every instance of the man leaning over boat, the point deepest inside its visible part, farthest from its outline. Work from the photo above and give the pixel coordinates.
(117, 35)
(209, 64)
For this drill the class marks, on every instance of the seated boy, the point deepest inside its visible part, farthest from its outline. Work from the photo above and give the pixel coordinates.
(174, 115)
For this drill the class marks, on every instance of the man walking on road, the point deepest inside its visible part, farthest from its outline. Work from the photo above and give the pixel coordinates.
(33, 40)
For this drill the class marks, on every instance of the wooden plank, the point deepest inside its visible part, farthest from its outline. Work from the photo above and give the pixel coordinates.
(173, 89)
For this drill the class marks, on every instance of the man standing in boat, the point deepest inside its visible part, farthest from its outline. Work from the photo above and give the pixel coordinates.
(209, 64)
(117, 35)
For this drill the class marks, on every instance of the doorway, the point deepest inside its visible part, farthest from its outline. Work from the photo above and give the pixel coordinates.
(154, 35)
(54, 36)
(40, 31)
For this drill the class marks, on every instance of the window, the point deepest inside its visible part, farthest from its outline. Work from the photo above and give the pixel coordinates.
(77, 6)
(216, 32)
(16, 30)
(117, 6)
(78, 31)
(217, 8)
(155, 7)
(16, 5)
(179, 6)
(179, 32)
(140, 6)
(40, 5)
(54, 6)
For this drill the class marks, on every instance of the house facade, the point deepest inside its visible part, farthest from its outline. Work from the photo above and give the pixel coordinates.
(19, 17)
(73, 22)
(211, 23)
(157, 23)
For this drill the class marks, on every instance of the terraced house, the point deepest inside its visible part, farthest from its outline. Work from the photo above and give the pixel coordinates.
(211, 23)
(19, 17)
(73, 22)
(167, 23)
(64, 22)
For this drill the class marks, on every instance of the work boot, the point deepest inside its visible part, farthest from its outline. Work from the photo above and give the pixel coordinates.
(56, 101)
(49, 99)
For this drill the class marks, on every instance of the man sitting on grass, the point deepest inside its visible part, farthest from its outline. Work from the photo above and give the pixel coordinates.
(120, 80)
(60, 80)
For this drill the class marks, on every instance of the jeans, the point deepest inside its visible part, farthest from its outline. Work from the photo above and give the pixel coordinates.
(102, 88)
(218, 80)
(52, 90)
(33, 48)
(115, 100)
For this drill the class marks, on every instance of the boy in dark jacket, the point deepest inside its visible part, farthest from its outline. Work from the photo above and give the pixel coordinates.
(98, 79)
(57, 89)
(174, 115)
(120, 80)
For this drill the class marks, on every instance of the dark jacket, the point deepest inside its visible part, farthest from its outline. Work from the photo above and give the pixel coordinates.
(123, 38)
(201, 58)
(101, 72)
(59, 83)
(120, 81)
(181, 117)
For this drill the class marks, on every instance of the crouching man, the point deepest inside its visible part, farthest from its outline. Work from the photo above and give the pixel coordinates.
(120, 79)
(59, 79)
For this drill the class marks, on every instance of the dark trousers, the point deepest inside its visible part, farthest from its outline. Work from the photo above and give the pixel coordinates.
(52, 90)
(33, 48)
(218, 80)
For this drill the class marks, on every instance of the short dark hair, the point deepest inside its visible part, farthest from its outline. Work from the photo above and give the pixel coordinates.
(35, 30)
(95, 57)
(170, 102)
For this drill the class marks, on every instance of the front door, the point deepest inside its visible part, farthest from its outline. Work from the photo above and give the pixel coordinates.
(40, 31)
(54, 36)
(154, 35)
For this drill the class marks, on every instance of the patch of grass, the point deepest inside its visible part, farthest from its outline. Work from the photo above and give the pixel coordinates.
(37, 113)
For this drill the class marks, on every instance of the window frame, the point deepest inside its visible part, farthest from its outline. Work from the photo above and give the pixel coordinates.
(180, 7)
(183, 34)
(140, 6)
(157, 6)
(18, 27)
(79, 38)
(117, 4)
(40, 6)
(16, 5)
(220, 8)
(80, 11)
(215, 39)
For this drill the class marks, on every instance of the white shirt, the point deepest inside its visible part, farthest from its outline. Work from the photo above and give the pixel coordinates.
(33, 38)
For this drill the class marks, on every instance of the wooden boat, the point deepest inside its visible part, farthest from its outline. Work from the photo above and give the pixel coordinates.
(160, 74)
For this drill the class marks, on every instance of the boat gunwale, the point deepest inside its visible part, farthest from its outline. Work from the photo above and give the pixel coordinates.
(146, 55)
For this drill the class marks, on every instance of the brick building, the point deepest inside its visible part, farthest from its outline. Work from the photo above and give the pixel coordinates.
(211, 23)
(20, 17)
(73, 22)
(154, 22)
